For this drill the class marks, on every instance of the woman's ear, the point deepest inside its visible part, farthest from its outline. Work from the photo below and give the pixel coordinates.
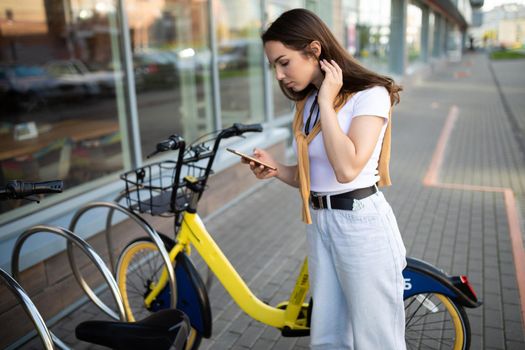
(315, 48)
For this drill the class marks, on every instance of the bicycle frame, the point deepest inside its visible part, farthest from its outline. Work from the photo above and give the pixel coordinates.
(193, 232)
(420, 277)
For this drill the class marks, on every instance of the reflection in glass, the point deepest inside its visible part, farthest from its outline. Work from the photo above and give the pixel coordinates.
(57, 79)
(413, 32)
(373, 30)
(431, 30)
(171, 58)
(281, 105)
(239, 58)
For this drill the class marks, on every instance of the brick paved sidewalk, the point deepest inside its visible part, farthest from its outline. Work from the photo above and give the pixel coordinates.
(461, 231)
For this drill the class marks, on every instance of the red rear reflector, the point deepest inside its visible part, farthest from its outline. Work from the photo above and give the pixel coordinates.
(464, 280)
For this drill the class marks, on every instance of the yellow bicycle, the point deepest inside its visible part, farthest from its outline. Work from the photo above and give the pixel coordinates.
(434, 301)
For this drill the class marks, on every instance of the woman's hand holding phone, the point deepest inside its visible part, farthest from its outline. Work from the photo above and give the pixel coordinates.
(260, 171)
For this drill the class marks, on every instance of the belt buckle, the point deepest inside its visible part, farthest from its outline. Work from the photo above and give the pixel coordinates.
(317, 202)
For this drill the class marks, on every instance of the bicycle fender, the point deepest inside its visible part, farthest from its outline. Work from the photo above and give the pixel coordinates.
(422, 277)
(192, 297)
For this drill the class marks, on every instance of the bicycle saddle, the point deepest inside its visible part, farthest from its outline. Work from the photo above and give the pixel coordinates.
(161, 330)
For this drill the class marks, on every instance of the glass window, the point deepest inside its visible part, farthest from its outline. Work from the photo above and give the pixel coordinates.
(58, 91)
(373, 31)
(171, 57)
(431, 30)
(240, 55)
(453, 42)
(350, 18)
(413, 32)
(282, 106)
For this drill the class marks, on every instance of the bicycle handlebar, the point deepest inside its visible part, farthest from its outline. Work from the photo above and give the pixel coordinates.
(238, 129)
(16, 189)
(172, 143)
(186, 158)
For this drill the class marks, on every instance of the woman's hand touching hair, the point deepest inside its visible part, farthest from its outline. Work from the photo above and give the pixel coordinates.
(332, 83)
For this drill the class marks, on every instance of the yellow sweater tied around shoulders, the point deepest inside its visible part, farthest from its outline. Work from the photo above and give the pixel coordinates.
(303, 160)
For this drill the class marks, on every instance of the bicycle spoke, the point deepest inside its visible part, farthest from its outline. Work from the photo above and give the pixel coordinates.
(152, 267)
(418, 319)
(409, 346)
(418, 346)
(412, 301)
(426, 323)
(426, 346)
(138, 278)
(428, 313)
(431, 329)
(145, 275)
(133, 284)
(159, 267)
(418, 308)
(438, 341)
(429, 323)
(423, 322)
(134, 287)
(431, 342)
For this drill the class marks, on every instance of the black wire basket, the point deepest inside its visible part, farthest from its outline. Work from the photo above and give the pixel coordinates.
(153, 188)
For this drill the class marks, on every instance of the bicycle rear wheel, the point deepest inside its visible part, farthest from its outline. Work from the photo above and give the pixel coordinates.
(139, 269)
(434, 321)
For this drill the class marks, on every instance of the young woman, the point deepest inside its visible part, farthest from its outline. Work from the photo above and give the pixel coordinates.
(342, 139)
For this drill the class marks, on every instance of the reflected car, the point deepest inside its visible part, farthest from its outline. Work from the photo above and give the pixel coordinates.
(154, 70)
(75, 72)
(25, 88)
(189, 60)
(161, 68)
(234, 54)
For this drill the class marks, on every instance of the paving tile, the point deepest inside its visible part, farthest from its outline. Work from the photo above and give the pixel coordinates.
(514, 331)
(511, 345)
(250, 336)
(494, 338)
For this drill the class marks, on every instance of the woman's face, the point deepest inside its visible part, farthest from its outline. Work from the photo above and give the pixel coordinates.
(294, 69)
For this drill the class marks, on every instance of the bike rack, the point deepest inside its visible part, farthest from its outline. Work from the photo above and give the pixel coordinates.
(29, 308)
(142, 223)
(73, 239)
(109, 219)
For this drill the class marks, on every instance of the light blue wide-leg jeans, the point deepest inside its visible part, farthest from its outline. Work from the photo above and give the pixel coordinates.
(355, 261)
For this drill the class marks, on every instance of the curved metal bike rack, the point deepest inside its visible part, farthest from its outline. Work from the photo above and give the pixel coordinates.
(73, 239)
(143, 224)
(29, 308)
(109, 241)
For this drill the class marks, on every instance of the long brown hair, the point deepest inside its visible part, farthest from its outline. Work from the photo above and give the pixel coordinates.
(297, 28)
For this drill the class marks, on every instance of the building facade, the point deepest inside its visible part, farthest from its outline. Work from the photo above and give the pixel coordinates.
(501, 27)
(88, 87)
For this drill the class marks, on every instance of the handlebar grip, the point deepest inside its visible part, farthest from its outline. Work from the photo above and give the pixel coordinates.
(55, 186)
(21, 189)
(172, 143)
(242, 128)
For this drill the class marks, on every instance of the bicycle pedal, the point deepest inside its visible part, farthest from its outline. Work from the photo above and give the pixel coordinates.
(288, 332)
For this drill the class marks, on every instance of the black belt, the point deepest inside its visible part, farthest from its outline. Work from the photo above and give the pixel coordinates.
(344, 201)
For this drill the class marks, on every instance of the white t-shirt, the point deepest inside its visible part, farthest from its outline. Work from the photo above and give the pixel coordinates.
(373, 101)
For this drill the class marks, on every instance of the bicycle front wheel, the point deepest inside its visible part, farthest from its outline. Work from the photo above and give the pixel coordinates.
(434, 321)
(138, 270)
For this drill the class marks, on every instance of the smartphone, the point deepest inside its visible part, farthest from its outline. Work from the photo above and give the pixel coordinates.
(255, 160)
